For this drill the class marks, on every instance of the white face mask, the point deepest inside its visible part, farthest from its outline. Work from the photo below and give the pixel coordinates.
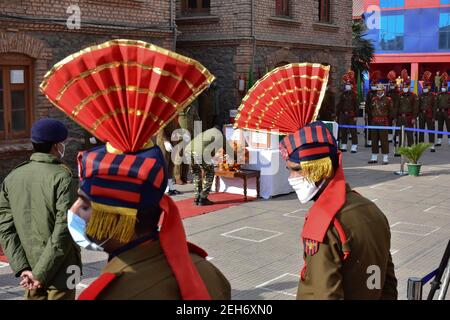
(405, 90)
(392, 87)
(348, 87)
(305, 190)
(380, 94)
(444, 89)
(426, 90)
(61, 154)
(374, 88)
(77, 229)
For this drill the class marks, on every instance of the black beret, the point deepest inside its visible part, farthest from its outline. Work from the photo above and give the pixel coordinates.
(48, 130)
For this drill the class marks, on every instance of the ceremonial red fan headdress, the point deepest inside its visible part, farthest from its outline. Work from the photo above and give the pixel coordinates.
(444, 78)
(288, 100)
(124, 91)
(375, 77)
(392, 76)
(285, 99)
(427, 78)
(405, 78)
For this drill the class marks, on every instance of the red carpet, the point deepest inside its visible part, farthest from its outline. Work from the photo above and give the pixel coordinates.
(2, 256)
(221, 201)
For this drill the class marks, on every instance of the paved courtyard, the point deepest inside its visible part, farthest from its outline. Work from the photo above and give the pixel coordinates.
(257, 244)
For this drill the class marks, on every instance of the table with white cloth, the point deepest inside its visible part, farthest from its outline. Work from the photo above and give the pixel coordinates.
(274, 175)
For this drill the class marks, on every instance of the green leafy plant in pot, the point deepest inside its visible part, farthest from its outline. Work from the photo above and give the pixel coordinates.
(413, 154)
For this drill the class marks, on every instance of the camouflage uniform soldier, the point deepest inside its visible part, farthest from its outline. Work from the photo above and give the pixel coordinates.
(427, 107)
(442, 108)
(407, 110)
(347, 111)
(203, 150)
(380, 115)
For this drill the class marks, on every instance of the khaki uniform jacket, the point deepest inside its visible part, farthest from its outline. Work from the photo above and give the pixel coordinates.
(328, 276)
(34, 200)
(144, 274)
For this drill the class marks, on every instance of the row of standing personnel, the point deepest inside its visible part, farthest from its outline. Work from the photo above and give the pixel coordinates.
(394, 106)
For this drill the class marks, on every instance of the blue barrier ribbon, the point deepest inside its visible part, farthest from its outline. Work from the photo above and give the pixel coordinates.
(395, 128)
(429, 276)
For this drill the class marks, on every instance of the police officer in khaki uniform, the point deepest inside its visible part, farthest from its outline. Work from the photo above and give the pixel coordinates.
(353, 236)
(443, 108)
(380, 115)
(122, 208)
(427, 110)
(407, 110)
(347, 111)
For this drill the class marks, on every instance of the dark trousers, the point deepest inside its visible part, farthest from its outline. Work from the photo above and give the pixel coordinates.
(429, 123)
(380, 135)
(443, 118)
(344, 120)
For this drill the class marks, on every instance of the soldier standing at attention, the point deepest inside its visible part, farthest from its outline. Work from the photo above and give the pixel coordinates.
(347, 111)
(121, 207)
(34, 200)
(380, 115)
(427, 110)
(443, 108)
(374, 79)
(408, 107)
(394, 94)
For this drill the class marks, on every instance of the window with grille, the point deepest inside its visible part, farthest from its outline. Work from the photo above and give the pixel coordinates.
(325, 11)
(15, 97)
(282, 8)
(195, 7)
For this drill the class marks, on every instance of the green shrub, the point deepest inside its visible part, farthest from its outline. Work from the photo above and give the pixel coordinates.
(414, 152)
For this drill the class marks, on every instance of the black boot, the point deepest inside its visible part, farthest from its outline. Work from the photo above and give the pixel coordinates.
(196, 200)
(173, 192)
(205, 202)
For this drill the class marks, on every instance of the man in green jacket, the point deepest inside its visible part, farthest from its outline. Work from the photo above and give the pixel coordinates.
(34, 199)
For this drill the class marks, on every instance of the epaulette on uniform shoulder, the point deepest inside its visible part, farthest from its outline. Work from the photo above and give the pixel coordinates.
(96, 287)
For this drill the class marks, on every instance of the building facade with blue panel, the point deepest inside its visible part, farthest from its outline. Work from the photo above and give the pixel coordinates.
(409, 34)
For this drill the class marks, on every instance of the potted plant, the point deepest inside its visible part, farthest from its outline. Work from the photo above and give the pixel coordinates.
(413, 154)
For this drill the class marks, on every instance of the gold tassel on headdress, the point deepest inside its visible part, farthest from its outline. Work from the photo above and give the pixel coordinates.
(108, 222)
(317, 170)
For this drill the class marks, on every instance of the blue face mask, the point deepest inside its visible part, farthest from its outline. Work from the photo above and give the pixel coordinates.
(77, 229)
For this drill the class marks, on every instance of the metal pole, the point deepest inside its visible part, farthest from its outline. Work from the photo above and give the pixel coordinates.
(402, 161)
(436, 283)
(414, 291)
(445, 284)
